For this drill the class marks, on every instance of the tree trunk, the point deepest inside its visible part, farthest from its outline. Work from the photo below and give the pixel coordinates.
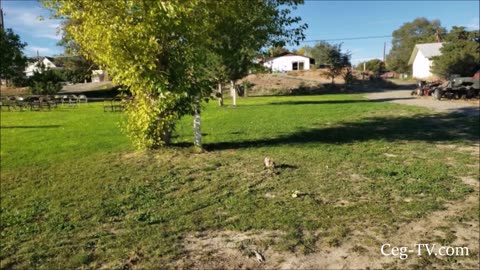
(233, 93)
(220, 95)
(167, 133)
(197, 132)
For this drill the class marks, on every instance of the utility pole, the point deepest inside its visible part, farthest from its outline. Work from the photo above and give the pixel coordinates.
(384, 48)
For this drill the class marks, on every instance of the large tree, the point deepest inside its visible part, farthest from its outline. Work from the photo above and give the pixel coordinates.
(320, 52)
(460, 54)
(243, 28)
(330, 55)
(421, 30)
(12, 59)
(161, 50)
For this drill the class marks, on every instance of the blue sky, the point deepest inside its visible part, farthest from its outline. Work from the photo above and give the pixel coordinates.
(350, 19)
(326, 20)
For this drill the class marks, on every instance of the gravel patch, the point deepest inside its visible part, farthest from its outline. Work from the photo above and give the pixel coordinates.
(443, 106)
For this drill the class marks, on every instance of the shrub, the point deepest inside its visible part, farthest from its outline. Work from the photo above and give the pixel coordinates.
(45, 82)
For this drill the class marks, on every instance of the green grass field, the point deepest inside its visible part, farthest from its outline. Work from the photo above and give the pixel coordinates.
(75, 194)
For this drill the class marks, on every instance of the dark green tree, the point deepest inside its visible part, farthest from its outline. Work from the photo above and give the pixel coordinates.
(45, 81)
(319, 52)
(421, 30)
(76, 69)
(460, 54)
(12, 59)
(330, 55)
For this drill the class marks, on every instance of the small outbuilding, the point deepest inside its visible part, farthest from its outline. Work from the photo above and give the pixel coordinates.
(421, 59)
(288, 62)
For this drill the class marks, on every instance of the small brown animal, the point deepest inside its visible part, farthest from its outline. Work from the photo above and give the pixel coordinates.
(269, 163)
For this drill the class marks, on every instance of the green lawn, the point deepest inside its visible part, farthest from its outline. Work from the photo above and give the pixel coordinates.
(74, 193)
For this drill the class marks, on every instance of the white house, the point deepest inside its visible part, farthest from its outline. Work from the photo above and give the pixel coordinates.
(421, 59)
(288, 62)
(35, 66)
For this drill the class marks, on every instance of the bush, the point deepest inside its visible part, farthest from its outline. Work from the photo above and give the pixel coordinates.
(45, 82)
(348, 77)
(45, 88)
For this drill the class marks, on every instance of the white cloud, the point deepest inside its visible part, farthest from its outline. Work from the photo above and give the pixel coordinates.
(474, 24)
(28, 21)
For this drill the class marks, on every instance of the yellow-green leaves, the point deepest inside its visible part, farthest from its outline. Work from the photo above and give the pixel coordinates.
(168, 52)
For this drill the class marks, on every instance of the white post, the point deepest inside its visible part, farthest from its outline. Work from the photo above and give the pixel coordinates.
(233, 93)
(197, 132)
(220, 95)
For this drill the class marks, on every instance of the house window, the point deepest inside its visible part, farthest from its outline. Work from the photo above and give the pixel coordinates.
(298, 65)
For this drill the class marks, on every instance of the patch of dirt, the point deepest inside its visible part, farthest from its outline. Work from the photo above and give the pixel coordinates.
(474, 149)
(404, 97)
(271, 84)
(13, 91)
(360, 250)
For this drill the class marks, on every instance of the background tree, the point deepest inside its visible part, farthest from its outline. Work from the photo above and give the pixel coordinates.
(265, 24)
(12, 59)
(76, 69)
(320, 52)
(460, 54)
(161, 50)
(301, 51)
(373, 65)
(330, 55)
(276, 51)
(421, 30)
(45, 81)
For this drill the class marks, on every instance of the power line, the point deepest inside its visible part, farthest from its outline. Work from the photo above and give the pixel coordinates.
(349, 38)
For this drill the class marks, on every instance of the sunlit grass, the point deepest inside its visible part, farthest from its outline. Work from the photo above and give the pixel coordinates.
(75, 193)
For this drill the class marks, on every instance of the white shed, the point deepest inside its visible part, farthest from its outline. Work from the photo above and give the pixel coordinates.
(288, 62)
(421, 59)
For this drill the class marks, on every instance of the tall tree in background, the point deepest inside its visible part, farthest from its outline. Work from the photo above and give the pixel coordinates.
(373, 65)
(300, 51)
(460, 54)
(12, 59)
(337, 61)
(242, 30)
(421, 30)
(320, 52)
(330, 55)
(162, 50)
(276, 51)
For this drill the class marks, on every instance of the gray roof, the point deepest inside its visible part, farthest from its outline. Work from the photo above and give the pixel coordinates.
(428, 50)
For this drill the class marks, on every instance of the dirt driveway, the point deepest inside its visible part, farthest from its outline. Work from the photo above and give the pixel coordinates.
(404, 97)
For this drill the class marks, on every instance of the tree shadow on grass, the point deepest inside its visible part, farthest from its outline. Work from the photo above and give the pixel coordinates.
(426, 128)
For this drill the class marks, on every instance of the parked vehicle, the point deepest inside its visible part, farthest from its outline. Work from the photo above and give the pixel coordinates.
(426, 88)
(458, 87)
